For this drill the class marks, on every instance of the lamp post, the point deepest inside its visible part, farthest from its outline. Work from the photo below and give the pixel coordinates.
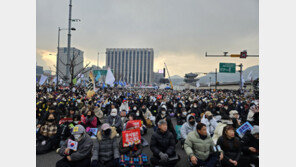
(58, 54)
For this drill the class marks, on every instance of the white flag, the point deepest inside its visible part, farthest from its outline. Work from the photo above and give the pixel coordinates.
(250, 76)
(243, 81)
(209, 84)
(110, 78)
(42, 79)
(197, 84)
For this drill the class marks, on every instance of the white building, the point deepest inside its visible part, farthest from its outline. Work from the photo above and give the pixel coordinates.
(78, 54)
(131, 65)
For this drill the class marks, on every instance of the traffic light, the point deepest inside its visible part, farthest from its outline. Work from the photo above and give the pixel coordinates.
(243, 54)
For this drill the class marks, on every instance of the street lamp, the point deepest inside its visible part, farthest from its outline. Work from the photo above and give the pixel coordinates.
(58, 53)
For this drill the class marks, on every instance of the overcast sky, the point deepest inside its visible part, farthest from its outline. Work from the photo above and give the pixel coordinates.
(179, 31)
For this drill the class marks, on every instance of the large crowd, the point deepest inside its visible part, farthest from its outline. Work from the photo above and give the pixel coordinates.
(206, 126)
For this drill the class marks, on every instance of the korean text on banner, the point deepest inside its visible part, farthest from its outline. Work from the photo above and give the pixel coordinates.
(131, 137)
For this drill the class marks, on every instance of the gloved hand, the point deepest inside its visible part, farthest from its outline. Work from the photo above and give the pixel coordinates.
(94, 163)
(163, 157)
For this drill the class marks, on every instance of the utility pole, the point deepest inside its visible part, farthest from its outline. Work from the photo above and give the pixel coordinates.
(240, 77)
(210, 83)
(69, 42)
(216, 79)
(58, 59)
(98, 59)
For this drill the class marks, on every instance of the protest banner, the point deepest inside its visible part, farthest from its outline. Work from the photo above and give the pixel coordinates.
(72, 145)
(64, 120)
(131, 137)
(137, 123)
(243, 129)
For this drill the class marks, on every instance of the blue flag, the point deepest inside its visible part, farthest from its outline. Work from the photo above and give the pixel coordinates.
(98, 76)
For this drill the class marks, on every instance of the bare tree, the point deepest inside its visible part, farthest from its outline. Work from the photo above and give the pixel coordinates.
(73, 65)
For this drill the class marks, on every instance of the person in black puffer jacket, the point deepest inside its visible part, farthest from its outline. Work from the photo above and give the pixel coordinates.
(231, 147)
(163, 146)
(250, 146)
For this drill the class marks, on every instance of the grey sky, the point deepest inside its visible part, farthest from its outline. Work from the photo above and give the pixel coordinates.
(180, 31)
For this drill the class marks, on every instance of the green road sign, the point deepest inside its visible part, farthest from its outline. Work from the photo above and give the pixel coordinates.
(102, 72)
(227, 67)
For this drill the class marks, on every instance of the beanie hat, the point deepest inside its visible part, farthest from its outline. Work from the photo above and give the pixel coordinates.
(78, 129)
(129, 125)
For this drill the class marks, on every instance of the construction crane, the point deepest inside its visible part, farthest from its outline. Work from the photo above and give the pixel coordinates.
(169, 76)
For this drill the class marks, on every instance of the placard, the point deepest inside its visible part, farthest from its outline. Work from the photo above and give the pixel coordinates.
(130, 137)
(242, 129)
(63, 120)
(94, 131)
(137, 123)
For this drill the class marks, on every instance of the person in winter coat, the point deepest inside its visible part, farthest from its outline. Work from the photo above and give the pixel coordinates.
(162, 145)
(124, 106)
(99, 114)
(164, 115)
(131, 151)
(197, 111)
(147, 116)
(234, 116)
(154, 108)
(181, 119)
(48, 136)
(91, 120)
(198, 146)
(225, 112)
(114, 120)
(187, 127)
(253, 109)
(80, 157)
(105, 152)
(210, 122)
(231, 147)
(250, 146)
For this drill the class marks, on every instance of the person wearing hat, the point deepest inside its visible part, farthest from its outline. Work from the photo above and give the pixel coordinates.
(124, 106)
(114, 120)
(181, 119)
(234, 116)
(105, 152)
(80, 157)
(210, 122)
(134, 150)
(250, 146)
(162, 145)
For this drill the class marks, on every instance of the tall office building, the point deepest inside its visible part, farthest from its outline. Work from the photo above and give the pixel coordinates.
(132, 65)
(63, 61)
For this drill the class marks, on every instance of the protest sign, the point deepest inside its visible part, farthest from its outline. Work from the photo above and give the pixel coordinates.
(131, 137)
(72, 145)
(93, 131)
(242, 129)
(63, 120)
(137, 123)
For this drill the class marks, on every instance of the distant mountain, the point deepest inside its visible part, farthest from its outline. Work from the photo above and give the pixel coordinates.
(230, 77)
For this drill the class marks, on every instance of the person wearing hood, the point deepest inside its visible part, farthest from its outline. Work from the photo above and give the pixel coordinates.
(198, 146)
(225, 112)
(124, 106)
(105, 151)
(149, 118)
(80, 157)
(250, 146)
(231, 147)
(181, 119)
(154, 108)
(195, 110)
(114, 120)
(210, 122)
(162, 145)
(187, 127)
